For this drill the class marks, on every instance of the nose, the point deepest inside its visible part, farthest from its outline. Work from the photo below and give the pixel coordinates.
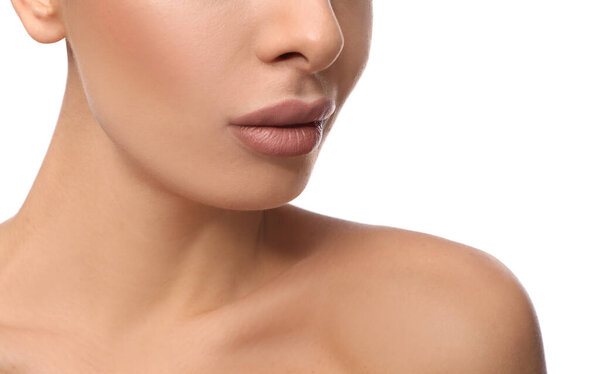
(304, 33)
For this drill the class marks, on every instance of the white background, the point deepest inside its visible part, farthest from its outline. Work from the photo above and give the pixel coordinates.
(477, 120)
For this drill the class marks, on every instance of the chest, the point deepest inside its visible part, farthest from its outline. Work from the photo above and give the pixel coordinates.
(267, 337)
(288, 353)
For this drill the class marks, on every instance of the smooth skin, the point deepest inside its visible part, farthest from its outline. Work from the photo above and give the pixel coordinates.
(152, 242)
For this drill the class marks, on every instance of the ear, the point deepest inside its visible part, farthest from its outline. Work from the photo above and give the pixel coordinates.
(41, 18)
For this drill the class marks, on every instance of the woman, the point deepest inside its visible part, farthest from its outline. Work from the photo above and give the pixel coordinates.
(157, 237)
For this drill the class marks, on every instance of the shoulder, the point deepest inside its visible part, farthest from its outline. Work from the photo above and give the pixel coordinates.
(404, 301)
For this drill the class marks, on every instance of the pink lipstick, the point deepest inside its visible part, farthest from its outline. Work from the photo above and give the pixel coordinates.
(287, 129)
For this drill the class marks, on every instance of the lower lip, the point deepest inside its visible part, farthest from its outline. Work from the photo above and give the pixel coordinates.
(281, 141)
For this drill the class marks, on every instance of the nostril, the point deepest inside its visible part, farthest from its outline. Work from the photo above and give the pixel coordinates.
(287, 55)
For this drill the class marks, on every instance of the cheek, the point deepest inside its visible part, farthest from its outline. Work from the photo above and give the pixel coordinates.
(146, 71)
(138, 45)
(147, 78)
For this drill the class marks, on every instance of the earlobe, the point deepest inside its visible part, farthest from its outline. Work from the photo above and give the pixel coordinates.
(41, 19)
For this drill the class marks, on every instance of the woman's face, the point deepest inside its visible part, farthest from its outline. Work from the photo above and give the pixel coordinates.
(164, 78)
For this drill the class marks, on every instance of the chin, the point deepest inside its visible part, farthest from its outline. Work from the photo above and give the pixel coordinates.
(240, 195)
(258, 201)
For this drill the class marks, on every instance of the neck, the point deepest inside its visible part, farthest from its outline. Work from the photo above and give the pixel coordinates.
(97, 237)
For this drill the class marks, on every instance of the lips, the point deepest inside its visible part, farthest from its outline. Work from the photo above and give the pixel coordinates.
(288, 113)
(289, 128)
(279, 141)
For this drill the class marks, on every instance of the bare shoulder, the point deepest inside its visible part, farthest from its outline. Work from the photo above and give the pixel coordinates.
(404, 301)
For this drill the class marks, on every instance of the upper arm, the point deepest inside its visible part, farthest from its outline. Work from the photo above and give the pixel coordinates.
(424, 304)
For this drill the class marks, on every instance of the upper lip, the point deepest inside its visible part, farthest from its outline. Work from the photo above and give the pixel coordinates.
(288, 112)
